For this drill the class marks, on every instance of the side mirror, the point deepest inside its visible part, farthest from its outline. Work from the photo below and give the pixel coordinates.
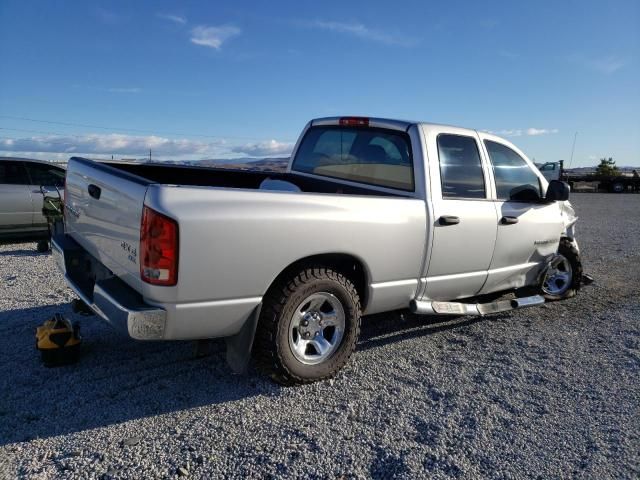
(557, 191)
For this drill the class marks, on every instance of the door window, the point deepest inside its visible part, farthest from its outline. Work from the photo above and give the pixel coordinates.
(460, 167)
(13, 173)
(47, 175)
(515, 180)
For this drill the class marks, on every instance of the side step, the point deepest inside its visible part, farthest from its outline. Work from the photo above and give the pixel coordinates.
(425, 307)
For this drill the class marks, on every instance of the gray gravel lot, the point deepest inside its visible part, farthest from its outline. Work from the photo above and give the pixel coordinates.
(545, 392)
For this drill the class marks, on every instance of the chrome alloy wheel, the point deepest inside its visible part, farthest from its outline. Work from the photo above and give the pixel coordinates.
(557, 278)
(316, 328)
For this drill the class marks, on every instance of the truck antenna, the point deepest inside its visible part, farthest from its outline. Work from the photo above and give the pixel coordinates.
(573, 147)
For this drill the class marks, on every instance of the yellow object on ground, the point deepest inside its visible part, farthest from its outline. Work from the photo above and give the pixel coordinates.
(58, 341)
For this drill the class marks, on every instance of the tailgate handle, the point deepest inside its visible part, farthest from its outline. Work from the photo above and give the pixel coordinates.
(94, 191)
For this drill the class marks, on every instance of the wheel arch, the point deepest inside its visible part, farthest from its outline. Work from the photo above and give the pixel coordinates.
(347, 264)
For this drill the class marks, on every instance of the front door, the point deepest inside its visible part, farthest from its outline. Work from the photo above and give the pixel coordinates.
(464, 229)
(528, 229)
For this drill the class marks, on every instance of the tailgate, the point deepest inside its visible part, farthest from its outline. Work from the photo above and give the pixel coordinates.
(103, 212)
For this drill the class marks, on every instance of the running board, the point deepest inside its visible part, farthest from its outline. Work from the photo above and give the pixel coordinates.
(425, 307)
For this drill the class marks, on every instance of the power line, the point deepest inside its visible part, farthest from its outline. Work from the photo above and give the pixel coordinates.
(100, 127)
(40, 131)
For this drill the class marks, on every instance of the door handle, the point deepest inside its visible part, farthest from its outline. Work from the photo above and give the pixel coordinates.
(508, 220)
(448, 220)
(94, 191)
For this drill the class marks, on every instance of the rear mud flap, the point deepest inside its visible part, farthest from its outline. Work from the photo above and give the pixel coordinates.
(239, 345)
(587, 279)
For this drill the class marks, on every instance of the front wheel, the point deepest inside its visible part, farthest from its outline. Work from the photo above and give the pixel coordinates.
(564, 275)
(309, 326)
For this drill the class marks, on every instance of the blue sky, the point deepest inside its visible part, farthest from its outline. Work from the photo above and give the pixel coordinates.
(214, 79)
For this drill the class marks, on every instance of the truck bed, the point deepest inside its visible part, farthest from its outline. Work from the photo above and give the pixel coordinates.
(230, 178)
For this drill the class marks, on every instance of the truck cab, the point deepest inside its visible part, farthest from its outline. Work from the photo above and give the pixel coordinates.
(489, 225)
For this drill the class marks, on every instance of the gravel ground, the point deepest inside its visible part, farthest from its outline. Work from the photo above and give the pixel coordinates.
(545, 392)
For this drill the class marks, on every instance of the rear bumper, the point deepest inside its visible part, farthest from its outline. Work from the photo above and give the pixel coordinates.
(108, 296)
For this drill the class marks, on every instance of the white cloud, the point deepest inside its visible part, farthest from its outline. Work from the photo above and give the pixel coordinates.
(489, 23)
(508, 54)
(104, 145)
(213, 37)
(361, 31)
(264, 149)
(506, 133)
(518, 132)
(607, 64)
(124, 90)
(108, 17)
(173, 18)
(540, 131)
(107, 144)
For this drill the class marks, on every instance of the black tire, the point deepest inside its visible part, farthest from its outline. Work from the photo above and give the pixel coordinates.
(42, 246)
(569, 251)
(271, 349)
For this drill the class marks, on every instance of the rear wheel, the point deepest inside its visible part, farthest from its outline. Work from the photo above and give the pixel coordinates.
(308, 327)
(562, 278)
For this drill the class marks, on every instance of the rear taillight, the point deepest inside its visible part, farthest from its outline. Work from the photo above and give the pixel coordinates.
(354, 122)
(158, 248)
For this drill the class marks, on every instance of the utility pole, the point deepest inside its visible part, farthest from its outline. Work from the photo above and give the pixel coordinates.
(149, 154)
(572, 149)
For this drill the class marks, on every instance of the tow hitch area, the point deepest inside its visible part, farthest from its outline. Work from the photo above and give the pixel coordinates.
(456, 308)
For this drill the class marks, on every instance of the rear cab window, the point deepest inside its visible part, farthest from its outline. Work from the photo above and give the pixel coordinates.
(367, 155)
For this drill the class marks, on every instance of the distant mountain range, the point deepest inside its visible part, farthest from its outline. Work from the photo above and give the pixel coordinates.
(277, 164)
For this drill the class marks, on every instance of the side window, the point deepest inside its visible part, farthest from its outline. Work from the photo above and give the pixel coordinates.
(515, 180)
(13, 173)
(460, 167)
(47, 175)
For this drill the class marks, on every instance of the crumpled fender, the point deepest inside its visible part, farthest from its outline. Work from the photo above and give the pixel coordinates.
(569, 219)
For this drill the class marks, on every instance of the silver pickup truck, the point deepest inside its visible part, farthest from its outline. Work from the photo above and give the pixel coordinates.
(371, 215)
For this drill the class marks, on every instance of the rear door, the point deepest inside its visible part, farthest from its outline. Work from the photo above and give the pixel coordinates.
(16, 205)
(464, 228)
(528, 229)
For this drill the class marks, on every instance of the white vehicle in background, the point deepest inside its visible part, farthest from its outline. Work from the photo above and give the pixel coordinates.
(552, 170)
(22, 182)
(371, 215)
